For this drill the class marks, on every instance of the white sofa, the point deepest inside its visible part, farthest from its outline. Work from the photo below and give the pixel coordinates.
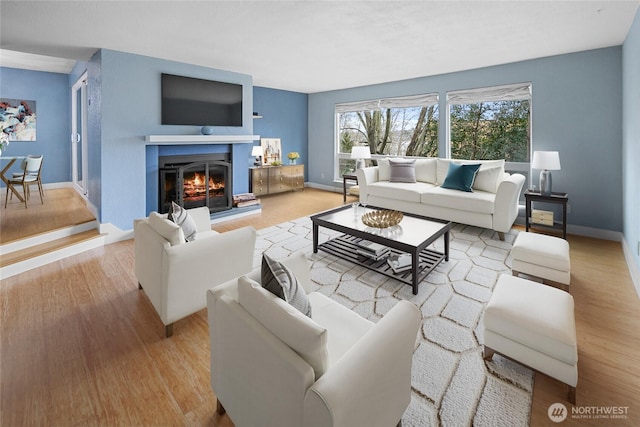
(493, 204)
(176, 274)
(273, 366)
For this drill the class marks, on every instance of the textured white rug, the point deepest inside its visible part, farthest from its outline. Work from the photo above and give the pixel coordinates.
(452, 385)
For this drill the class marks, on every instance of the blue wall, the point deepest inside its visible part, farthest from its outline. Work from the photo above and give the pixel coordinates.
(285, 116)
(124, 91)
(631, 137)
(577, 110)
(53, 119)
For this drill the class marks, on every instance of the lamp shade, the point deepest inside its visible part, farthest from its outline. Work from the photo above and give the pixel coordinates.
(256, 151)
(360, 152)
(549, 160)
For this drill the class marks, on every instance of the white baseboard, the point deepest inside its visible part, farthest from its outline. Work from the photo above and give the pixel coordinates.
(324, 187)
(634, 270)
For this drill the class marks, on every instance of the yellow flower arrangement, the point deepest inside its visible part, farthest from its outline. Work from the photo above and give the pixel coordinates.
(293, 155)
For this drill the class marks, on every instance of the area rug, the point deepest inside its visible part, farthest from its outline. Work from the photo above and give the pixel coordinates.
(451, 383)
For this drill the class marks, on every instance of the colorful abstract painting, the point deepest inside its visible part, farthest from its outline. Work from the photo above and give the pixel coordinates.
(18, 119)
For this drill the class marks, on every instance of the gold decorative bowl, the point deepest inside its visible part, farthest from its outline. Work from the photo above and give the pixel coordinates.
(382, 218)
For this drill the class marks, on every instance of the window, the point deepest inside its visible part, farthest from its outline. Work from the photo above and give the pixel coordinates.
(492, 123)
(405, 126)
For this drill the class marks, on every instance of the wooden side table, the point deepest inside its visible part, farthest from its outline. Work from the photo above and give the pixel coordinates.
(345, 178)
(558, 198)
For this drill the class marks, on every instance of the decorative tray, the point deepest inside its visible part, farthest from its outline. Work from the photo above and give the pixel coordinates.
(382, 218)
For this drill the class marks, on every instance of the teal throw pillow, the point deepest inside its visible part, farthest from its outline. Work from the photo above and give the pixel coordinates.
(460, 177)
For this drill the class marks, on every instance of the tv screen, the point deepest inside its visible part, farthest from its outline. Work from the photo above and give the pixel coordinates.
(191, 101)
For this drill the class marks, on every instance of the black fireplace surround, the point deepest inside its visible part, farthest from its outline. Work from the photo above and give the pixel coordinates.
(195, 180)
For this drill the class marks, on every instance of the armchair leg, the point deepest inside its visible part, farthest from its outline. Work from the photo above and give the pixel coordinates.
(501, 235)
(219, 408)
(571, 395)
(399, 423)
(139, 285)
(488, 353)
(168, 330)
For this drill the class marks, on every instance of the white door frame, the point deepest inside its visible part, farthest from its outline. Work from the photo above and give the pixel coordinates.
(79, 179)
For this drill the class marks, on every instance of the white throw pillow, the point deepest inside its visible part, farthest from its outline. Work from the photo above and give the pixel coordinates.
(299, 332)
(167, 229)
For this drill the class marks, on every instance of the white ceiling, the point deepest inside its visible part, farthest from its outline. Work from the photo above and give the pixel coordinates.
(312, 46)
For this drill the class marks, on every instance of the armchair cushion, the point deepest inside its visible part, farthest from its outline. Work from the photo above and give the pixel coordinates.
(167, 229)
(181, 217)
(282, 282)
(299, 332)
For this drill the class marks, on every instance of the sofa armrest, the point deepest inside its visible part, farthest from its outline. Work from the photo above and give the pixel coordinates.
(366, 176)
(190, 269)
(370, 385)
(506, 203)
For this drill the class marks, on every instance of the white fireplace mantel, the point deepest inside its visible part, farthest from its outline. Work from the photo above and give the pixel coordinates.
(201, 139)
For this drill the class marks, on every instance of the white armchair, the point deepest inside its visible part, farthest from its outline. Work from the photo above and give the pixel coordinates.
(273, 366)
(174, 274)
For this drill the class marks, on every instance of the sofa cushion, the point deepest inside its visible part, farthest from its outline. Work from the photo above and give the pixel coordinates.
(426, 170)
(460, 177)
(302, 334)
(402, 170)
(479, 201)
(167, 229)
(280, 280)
(384, 169)
(443, 166)
(408, 191)
(181, 217)
(488, 179)
(344, 327)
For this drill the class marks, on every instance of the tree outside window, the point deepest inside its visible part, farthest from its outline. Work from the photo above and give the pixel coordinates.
(406, 126)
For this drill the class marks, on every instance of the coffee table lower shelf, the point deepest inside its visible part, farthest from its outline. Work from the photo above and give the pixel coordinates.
(345, 247)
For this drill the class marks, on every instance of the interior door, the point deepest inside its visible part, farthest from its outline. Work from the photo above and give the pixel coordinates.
(79, 162)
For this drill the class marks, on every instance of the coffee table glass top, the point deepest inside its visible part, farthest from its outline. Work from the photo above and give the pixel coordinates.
(411, 230)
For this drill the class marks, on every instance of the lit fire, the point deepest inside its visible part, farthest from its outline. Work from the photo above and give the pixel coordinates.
(197, 185)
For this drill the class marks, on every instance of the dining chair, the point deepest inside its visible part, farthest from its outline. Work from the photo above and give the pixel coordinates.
(31, 175)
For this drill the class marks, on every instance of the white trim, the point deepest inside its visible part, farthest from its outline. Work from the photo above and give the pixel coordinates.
(596, 233)
(634, 271)
(48, 258)
(39, 239)
(202, 139)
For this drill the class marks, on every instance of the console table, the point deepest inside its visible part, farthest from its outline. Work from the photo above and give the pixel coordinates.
(265, 180)
(557, 198)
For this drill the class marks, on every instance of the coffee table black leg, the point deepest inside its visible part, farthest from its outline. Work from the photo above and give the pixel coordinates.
(315, 238)
(415, 263)
(446, 246)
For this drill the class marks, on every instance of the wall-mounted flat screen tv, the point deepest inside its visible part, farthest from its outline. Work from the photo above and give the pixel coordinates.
(191, 101)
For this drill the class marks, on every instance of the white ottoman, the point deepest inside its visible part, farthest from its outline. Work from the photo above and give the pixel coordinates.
(542, 256)
(533, 324)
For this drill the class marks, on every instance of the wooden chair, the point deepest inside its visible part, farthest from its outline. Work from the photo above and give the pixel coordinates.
(31, 175)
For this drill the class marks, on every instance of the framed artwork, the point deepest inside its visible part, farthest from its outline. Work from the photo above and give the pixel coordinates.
(271, 151)
(18, 119)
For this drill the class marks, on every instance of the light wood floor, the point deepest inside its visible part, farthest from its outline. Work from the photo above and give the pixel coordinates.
(81, 345)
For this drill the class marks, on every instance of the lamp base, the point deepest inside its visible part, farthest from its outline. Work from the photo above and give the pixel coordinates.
(545, 182)
(258, 161)
(360, 164)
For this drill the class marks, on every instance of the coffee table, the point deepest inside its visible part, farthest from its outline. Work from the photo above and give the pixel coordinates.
(413, 235)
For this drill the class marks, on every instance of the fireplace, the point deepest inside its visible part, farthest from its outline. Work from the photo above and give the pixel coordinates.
(195, 180)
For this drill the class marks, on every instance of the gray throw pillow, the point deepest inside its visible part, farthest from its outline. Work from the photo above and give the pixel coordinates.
(402, 170)
(181, 217)
(280, 281)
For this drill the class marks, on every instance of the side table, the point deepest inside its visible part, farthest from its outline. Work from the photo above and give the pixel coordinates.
(345, 178)
(558, 198)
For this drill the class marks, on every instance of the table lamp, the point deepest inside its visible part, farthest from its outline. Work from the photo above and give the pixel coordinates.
(547, 161)
(257, 152)
(360, 152)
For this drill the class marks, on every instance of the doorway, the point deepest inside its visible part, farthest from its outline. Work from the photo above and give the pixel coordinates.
(79, 163)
